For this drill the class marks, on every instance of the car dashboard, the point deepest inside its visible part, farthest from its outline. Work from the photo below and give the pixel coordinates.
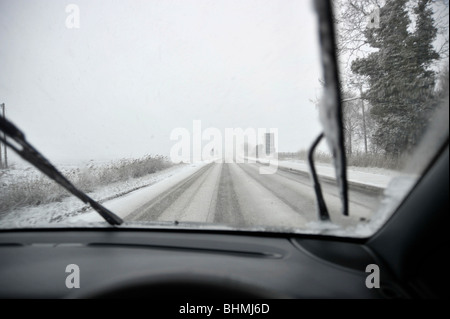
(131, 263)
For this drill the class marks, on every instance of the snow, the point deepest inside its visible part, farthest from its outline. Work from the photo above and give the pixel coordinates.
(124, 205)
(70, 207)
(125, 197)
(17, 174)
(369, 176)
(393, 195)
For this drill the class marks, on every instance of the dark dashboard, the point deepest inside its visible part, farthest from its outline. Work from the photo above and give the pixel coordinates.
(166, 264)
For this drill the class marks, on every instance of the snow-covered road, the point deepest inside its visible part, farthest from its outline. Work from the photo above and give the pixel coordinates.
(236, 195)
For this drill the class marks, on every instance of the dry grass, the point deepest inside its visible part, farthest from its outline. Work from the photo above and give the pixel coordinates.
(39, 190)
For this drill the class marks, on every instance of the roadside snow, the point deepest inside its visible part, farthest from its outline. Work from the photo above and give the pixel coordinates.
(393, 195)
(124, 205)
(376, 177)
(370, 176)
(67, 209)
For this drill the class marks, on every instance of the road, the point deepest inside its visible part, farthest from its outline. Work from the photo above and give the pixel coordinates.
(238, 195)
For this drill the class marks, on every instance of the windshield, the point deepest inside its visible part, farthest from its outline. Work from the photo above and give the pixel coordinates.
(201, 114)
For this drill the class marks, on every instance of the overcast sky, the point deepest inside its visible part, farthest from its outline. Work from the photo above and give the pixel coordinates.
(135, 70)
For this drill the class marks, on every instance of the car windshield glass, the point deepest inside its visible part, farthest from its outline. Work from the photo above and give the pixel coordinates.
(201, 114)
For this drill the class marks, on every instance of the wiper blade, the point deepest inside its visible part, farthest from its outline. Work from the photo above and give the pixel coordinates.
(33, 156)
(322, 209)
(330, 110)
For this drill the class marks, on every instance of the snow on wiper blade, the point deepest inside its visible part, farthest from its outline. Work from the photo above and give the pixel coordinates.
(31, 155)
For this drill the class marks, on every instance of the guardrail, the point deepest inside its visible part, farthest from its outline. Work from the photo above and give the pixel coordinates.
(325, 178)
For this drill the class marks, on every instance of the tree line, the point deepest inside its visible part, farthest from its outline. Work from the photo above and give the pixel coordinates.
(393, 75)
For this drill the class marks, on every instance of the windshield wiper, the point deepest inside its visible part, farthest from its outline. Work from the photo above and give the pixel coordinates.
(30, 154)
(330, 111)
(322, 209)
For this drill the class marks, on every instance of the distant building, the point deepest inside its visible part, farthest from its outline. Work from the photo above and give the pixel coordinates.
(259, 150)
(270, 143)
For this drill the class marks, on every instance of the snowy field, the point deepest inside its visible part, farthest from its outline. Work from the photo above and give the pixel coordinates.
(43, 214)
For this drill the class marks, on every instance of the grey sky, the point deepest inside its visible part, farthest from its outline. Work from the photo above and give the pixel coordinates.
(135, 70)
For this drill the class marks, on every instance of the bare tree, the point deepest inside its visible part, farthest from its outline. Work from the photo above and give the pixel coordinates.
(442, 24)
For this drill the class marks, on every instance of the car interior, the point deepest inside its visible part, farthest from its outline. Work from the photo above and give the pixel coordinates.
(115, 263)
(182, 262)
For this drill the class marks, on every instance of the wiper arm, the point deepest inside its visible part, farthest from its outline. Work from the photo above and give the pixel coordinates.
(321, 205)
(330, 108)
(30, 154)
